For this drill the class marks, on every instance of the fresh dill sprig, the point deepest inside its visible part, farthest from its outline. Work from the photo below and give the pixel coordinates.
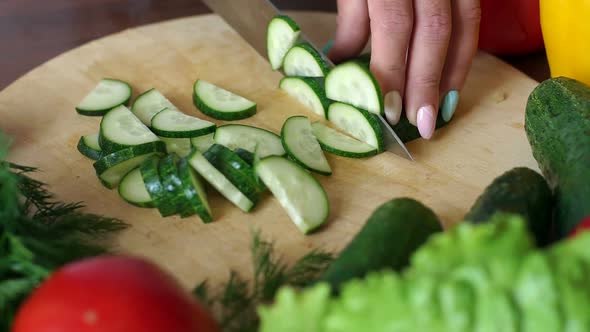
(235, 304)
(38, 234)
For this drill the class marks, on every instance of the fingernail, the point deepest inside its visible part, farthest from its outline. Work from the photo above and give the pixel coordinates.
(425, 120)
(449, 105)
(393, 107)
(328, 46)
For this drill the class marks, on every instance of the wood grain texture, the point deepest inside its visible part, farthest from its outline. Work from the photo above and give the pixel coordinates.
(485, 139)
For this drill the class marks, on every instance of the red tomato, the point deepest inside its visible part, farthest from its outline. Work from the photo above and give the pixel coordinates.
(510, 27)
(584, 226)
(112, 294)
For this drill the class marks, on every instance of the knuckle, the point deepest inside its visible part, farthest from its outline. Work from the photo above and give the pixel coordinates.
(472, 13)
(394, 18)
(428, 81)
(437, 26)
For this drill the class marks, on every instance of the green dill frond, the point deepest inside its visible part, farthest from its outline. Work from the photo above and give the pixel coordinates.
(235, 305)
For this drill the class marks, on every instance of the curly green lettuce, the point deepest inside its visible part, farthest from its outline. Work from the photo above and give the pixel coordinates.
(486, 277)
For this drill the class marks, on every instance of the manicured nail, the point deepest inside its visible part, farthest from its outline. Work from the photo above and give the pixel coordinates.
(328, 46)
(392, 104)
(425, 120)
(449, 105)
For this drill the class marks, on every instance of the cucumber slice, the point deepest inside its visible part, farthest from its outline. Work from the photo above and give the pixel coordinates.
(304, 60)
(112, 167)
(175, 124)
(180, 146)
(302, 146)
(236, 170)
(149, 104)
(108, 94)
(298, 192)
(194, 193)
(253, 139)
(155, 188)
(89, 147)
(309, 91)
(173, 186)
(340, 144)
(132, 190)
(203, 143)
(246, 155)
(352, 83)
(221, 104)
(219, 181)
(120, 129)
(359, 123)
(281, 34)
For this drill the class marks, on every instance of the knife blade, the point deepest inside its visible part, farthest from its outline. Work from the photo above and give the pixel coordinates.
(249, 18)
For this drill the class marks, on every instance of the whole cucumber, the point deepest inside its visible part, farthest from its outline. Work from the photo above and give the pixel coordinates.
(387, 240)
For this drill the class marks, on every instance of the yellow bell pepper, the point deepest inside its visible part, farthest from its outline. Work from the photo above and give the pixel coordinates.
(566, 32)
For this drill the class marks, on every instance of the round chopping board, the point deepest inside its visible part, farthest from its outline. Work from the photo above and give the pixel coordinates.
(485, 138)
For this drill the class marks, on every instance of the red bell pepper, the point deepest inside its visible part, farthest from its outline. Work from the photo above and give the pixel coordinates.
(510, 27)
(584, 226)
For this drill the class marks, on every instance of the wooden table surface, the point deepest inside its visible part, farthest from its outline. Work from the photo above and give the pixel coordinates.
(33, 31)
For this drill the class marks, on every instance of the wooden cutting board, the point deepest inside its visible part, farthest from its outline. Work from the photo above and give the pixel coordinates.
(485, 139)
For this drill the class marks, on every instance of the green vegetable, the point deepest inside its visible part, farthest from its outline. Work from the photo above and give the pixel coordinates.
(234, 305)
(557, 124)
(39, 234)
(387, 240)
(408, 132)
(521, 191)
(486, 277)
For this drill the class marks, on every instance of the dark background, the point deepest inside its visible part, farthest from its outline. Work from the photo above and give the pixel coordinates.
(34, 31)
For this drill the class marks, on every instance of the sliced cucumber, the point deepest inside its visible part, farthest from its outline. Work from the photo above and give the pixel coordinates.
(132, 190)
(89, 147)
(281, 34)
(236, 170)
(194, 192)
(264, 142)
(340, 144)
(304, 60)
(302, 146)
(120, 129)
(298, 192)
(246, 155)
(359, 123)
(149, 104)
(219, 181)
(180, 146)
(352, 83)
(173, 186)
(221, 104)
(309, 91)
(175, 124)
(203, 143)
(112, 167)
(108, 94)
(155, 188)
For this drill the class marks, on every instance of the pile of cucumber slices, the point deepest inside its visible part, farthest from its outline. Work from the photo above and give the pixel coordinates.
(160, 157)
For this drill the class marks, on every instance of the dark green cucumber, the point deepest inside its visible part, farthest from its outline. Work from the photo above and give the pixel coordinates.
(386, 241)
(132, 189)
(153, 185)
(557, 124)
(194, 192)
(173, 186)
(89, 147)
(246, 155)
(408, 132)
(112, 167)
(236, 170)
(521, 191)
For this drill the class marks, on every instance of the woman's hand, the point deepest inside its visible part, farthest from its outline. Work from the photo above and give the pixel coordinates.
(439, 38)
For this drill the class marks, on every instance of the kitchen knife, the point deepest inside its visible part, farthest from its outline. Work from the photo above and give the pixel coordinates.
(250, 18)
